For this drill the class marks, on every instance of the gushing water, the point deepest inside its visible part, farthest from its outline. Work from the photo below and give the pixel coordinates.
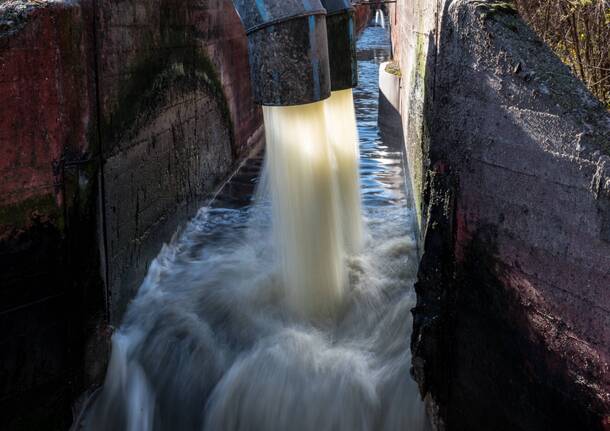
(280, 314)
(303, 183)
(379, 18)
(312, 160)
(343, 137)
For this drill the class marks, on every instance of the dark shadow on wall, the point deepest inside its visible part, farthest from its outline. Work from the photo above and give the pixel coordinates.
(52, 298)
(390, 123)
(496, 343)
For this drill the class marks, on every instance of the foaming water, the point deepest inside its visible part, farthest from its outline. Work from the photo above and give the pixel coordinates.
(213, 342)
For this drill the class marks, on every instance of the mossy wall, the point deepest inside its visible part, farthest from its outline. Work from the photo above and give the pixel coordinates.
(414, 27)
(166, 132)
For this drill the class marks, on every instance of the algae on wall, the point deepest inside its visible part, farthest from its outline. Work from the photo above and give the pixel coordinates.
(417, 32)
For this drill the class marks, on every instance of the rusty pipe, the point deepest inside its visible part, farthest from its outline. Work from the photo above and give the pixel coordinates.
(288, 50)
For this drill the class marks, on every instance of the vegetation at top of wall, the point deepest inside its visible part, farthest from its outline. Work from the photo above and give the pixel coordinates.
(579, 33)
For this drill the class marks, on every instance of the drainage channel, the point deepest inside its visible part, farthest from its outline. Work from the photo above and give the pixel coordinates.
(209, 341)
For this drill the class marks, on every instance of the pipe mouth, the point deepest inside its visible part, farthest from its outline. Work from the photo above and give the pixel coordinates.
(288, 50)
(283, 19)
(289, 63)
(258, 14)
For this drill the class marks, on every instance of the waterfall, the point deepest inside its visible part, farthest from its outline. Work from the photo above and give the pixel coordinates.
(379, 18)
(312, 160)
(343, 137)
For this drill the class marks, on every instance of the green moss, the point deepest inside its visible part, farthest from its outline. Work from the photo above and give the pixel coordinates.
(21, 214)
(154, 74)
(147, 89)
(393, 68)
(418, 130)
(421, 54)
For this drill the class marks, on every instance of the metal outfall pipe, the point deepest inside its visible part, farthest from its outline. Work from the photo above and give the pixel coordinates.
(288, 50)
(293, 61)
(341, 44)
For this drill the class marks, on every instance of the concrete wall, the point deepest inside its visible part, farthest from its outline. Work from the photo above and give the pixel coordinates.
(509, 157)
(173, 80)
(117, 120)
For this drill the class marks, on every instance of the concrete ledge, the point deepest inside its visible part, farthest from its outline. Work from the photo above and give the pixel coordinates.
(390, 123)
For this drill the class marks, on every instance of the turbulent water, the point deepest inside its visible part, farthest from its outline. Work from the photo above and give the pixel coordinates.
(226, 335)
